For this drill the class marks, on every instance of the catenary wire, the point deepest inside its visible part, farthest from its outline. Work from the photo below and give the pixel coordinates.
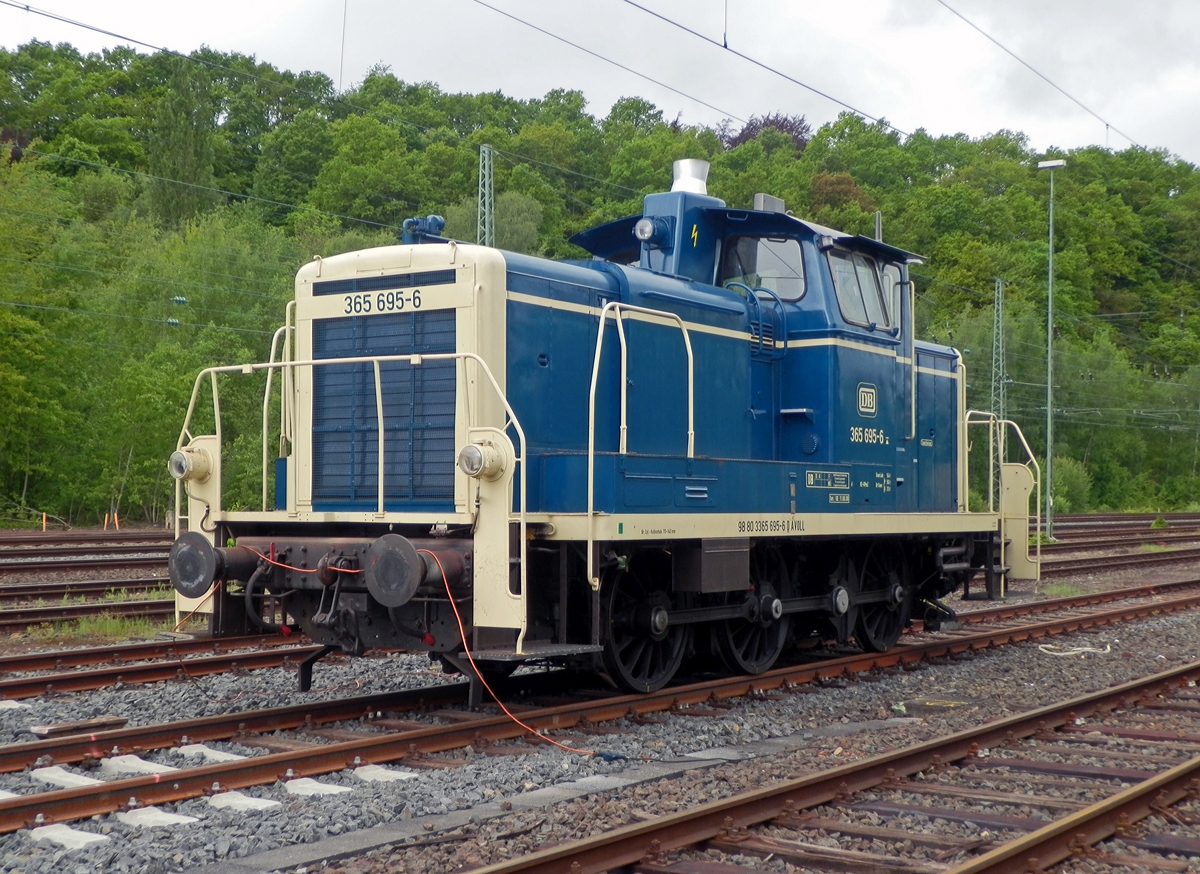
(931, 142)
(601, 57)
(206, 188)
(23, 7)
(46, 307)
(138, 234)
(1040, 74)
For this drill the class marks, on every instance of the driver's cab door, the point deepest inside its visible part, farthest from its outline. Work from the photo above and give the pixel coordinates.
(768, 272)
(878, 325)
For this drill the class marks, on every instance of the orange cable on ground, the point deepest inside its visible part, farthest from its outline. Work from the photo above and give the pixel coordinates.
(463, 632)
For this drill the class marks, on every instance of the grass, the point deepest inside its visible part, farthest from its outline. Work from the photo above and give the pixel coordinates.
(94, 629)
(1062, 590)
(160, 594)
(1160, 521)
(1154, 547)
(1041, 538)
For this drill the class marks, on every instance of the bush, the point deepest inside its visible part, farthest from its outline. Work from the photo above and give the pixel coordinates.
(1072, 486)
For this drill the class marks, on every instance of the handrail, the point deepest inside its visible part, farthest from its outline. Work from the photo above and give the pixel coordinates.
(414, 360)
(1000, 428)
(783, 328)
(266, 411)
(617, 309)
(379, 419)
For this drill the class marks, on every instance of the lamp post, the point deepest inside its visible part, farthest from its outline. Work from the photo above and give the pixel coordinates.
(1051, 166)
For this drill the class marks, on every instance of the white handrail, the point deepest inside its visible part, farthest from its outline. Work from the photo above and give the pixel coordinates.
(1001, 426)
(376, 360)
(617, 309)
(379, 419)
(266, 411)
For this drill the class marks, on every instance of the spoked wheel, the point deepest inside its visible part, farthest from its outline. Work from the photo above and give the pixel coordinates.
(752, 644)
(881, 621)
(643, 651)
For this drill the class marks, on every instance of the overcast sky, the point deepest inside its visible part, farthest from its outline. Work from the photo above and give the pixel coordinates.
(1136, 63)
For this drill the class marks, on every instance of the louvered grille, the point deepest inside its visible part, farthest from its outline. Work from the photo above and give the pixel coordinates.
(768, 333)
(418, 413)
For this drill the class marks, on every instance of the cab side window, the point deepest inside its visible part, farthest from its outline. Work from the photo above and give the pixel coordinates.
(890, 274)
(856, 280)
(775, 263)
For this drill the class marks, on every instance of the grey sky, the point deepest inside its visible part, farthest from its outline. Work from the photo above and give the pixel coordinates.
(1136, 64)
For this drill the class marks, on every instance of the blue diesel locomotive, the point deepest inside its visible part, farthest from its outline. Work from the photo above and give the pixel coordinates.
(717, 435)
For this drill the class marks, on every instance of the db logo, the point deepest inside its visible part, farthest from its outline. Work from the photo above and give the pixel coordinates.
(866, 400)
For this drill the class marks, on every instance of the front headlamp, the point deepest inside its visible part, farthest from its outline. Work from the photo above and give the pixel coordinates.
(481, 460)
(190, 464)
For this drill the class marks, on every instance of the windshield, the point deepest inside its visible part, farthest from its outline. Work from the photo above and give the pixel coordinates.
(856, 280)
(775, 263)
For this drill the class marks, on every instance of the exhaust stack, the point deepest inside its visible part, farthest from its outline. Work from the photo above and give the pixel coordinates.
(691, 176)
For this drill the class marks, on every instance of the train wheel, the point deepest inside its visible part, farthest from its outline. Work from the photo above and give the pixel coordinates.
(643, 651)
(752, 645)
(880, 623)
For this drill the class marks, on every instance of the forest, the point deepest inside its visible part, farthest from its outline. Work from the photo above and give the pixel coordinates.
(155, 207)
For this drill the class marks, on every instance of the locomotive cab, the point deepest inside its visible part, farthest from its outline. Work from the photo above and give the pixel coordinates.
(716, 437)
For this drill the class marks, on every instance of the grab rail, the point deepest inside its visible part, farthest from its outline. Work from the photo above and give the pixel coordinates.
(997, 450)
(618, 309)
(185, 433)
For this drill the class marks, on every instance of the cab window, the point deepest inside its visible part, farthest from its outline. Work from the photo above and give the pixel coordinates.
(890, 274)
(775, 263)
(856, 280)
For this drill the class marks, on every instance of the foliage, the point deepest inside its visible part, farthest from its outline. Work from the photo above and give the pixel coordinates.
(154, 209)
(1072, 486)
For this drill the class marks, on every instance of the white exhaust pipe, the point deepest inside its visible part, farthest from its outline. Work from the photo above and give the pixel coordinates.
(691, 175)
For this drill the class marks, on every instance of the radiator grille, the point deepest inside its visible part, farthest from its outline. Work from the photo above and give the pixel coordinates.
(418, 413)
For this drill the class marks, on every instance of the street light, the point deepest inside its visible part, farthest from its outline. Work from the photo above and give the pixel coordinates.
(1051, 166)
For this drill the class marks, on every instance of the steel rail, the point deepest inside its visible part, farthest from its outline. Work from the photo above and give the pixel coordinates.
(56, 660)
(1062, 567)
(49, 593)
(60, 805)
(78, 748)
(77, 564)
(32, 538)
(15, 757)
(629, 844)
(73, 549)
(20, 618)
(1065, 837)
(1127, 518)
(1010, 610)
(1119, 539)
(138, 673)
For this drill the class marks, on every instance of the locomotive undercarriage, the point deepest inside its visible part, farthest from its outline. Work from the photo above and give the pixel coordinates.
(355, 593)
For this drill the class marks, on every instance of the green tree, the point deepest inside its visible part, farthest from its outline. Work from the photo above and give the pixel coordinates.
(181, 149)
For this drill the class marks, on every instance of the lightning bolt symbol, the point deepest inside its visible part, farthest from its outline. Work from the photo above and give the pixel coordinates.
(694, 236)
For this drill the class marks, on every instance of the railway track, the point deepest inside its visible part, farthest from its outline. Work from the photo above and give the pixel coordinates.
(121, 654)
(1121, 539)
(31, 594)
(1019, 778)
(1061, 567)
(1076, 520)
(418, 745)
(18, 619)
(137, 663)
(81, 563)
(156, 536)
